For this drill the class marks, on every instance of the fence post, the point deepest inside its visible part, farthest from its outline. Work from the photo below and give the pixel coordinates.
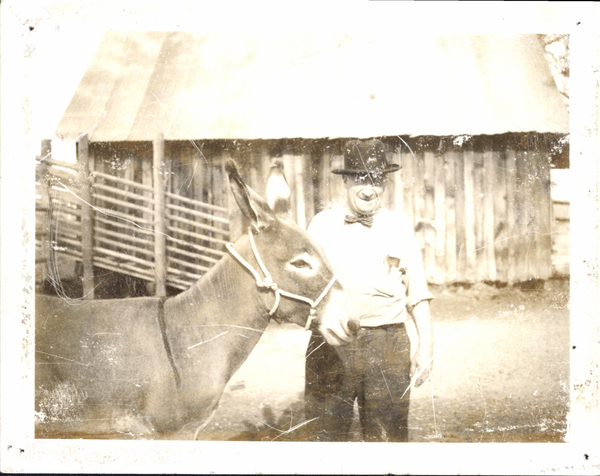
(41, 168)
(87, 219)
(160, 252)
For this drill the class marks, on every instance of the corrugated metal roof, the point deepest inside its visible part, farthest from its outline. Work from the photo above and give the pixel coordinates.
(249, 86)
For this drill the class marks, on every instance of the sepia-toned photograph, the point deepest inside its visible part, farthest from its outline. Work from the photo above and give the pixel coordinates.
(281, 236)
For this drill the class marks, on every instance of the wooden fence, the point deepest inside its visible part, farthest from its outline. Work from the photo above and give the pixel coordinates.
(58, 213)
(480, 206)
(107, 221)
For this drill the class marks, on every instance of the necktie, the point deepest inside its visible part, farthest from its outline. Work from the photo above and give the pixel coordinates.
(365, 220)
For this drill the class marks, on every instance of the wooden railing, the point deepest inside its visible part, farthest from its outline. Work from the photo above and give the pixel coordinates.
(123, 232)
(196, 236)
(58, 213)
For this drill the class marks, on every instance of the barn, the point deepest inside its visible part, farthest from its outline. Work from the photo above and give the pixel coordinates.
(476, 121)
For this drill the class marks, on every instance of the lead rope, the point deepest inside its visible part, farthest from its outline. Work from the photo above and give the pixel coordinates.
(268, 283)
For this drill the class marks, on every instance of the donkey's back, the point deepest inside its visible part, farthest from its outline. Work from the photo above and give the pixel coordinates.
(108, 352)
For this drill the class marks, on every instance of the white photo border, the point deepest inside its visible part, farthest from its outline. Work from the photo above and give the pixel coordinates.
(21, 452)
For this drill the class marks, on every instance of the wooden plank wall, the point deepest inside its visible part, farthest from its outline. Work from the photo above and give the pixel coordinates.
(481, 206)
(560, 238)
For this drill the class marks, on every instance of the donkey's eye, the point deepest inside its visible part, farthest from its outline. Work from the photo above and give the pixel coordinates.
(300, 263)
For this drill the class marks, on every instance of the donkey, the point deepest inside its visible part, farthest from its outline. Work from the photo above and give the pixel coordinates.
(157, 368)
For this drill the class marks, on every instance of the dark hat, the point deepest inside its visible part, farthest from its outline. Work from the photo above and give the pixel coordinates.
(362, 157)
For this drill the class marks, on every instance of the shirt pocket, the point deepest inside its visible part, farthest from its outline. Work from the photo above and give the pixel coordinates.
(391, 277)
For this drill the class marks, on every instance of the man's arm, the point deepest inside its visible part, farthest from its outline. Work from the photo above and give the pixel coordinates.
(422, 362)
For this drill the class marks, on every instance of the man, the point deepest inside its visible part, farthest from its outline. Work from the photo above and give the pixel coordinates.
(375, 256)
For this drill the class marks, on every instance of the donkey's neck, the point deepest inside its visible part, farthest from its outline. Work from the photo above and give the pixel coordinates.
(210, 330)
(213, 326)
(226, 296)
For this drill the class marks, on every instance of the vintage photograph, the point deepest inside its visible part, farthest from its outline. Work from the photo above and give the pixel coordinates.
(144, 315)
(305, 236)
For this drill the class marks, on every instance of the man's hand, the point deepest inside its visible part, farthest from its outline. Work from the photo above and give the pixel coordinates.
(339, 331)
(421, 364)
(337, 322)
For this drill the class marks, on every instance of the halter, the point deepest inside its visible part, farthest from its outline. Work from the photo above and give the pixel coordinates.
(268, 283)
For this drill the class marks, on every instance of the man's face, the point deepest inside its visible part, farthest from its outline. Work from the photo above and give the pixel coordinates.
(364, 193)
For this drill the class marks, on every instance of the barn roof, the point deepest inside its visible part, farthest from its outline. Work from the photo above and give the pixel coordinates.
(248, 86)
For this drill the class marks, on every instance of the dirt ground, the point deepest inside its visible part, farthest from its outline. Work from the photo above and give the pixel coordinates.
(501, 373)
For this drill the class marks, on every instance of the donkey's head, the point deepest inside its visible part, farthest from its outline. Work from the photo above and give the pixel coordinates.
(302, 286)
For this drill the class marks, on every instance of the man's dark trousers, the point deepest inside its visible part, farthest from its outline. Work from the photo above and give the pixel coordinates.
(375, 370)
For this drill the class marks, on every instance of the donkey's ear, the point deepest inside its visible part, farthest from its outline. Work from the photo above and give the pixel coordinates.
(278, 190)
(254, 208)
